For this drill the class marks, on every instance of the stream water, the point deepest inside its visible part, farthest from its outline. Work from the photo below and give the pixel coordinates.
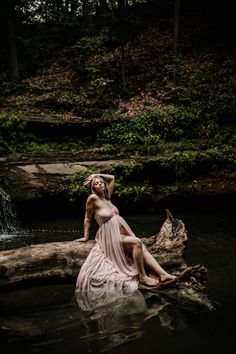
(47, 319)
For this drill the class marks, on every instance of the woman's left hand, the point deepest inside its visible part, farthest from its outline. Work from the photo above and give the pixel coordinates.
(82, 239)
(88, 180)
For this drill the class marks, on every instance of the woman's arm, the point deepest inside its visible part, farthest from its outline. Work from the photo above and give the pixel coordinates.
(111, 183)
(110, 179)
(87, 219)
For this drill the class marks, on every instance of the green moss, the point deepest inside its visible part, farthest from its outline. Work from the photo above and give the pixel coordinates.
(169, 188)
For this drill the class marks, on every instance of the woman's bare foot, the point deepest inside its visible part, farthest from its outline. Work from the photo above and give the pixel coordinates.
(167, 277)
(145, 280)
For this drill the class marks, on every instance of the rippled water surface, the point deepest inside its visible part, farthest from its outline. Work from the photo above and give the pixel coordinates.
(48, 319)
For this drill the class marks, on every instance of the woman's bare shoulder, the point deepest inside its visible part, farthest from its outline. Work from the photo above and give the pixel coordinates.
(92, 197)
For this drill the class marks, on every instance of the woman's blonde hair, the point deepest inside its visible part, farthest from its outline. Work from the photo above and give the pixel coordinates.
(92, 189)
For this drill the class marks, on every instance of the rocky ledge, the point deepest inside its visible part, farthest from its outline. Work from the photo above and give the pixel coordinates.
(33, 181)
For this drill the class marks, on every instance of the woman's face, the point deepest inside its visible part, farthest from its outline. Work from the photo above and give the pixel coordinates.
(98, 185)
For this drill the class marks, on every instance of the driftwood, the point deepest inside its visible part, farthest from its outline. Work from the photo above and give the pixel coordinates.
(61, 261)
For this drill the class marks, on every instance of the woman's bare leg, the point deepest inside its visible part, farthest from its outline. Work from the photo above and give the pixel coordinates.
(134, 245)
(150, 261)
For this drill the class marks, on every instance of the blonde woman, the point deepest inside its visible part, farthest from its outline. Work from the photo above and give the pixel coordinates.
(116, 264)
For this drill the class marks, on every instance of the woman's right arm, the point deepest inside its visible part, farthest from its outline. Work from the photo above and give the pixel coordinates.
(87, 219)
(111, 183)
(110, 179)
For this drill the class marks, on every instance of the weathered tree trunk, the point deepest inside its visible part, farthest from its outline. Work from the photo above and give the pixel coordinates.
(73, 7)
(85, 8)
(176, 28)
(122, 34)
(14, 68)
(104, 6)
(62, 260)
(123, 75)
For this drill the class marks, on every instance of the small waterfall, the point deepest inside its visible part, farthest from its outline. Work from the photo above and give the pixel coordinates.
(7, 214)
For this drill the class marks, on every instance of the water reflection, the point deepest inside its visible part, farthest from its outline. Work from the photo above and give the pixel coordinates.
(107, 325)
(116, 320)
(46, 319)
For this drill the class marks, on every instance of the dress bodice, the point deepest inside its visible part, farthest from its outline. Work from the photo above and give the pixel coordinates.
(104, 214)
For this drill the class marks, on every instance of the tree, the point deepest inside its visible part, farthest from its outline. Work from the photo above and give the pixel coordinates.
(8, 13)
(121, 14)
(176, 28)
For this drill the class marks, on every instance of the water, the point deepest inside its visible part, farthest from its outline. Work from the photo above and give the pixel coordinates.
(48, 320)
(7, 214)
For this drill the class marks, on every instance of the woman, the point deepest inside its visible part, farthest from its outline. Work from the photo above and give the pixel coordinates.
(116, 264)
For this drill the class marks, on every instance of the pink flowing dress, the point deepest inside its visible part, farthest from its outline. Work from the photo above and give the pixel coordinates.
(106, 273)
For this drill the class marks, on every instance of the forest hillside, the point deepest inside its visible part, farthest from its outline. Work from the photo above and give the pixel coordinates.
(144, 90)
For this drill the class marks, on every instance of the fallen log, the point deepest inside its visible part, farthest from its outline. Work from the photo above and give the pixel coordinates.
(59, 261)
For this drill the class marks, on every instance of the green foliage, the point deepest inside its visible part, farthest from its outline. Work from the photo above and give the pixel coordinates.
(88, 46)
(5, 88)
(192, 130)
(204, 90)
(151, 131)
(35, 147)
(135, 191)
(14, 138)
(76, 186)
(12, 133)
(185, 161)
(173, 69)
(10, 123)
(168, 188)
(100, 82)
(123, 186)
(151, 127)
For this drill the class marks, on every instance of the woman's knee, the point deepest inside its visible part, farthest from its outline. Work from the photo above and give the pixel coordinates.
(130, 242)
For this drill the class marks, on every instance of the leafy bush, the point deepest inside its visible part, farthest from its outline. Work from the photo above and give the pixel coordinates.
(76, 186)
(125, 185)
(203, 88)
(151, 127)
(12, 133)
(14, 138)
